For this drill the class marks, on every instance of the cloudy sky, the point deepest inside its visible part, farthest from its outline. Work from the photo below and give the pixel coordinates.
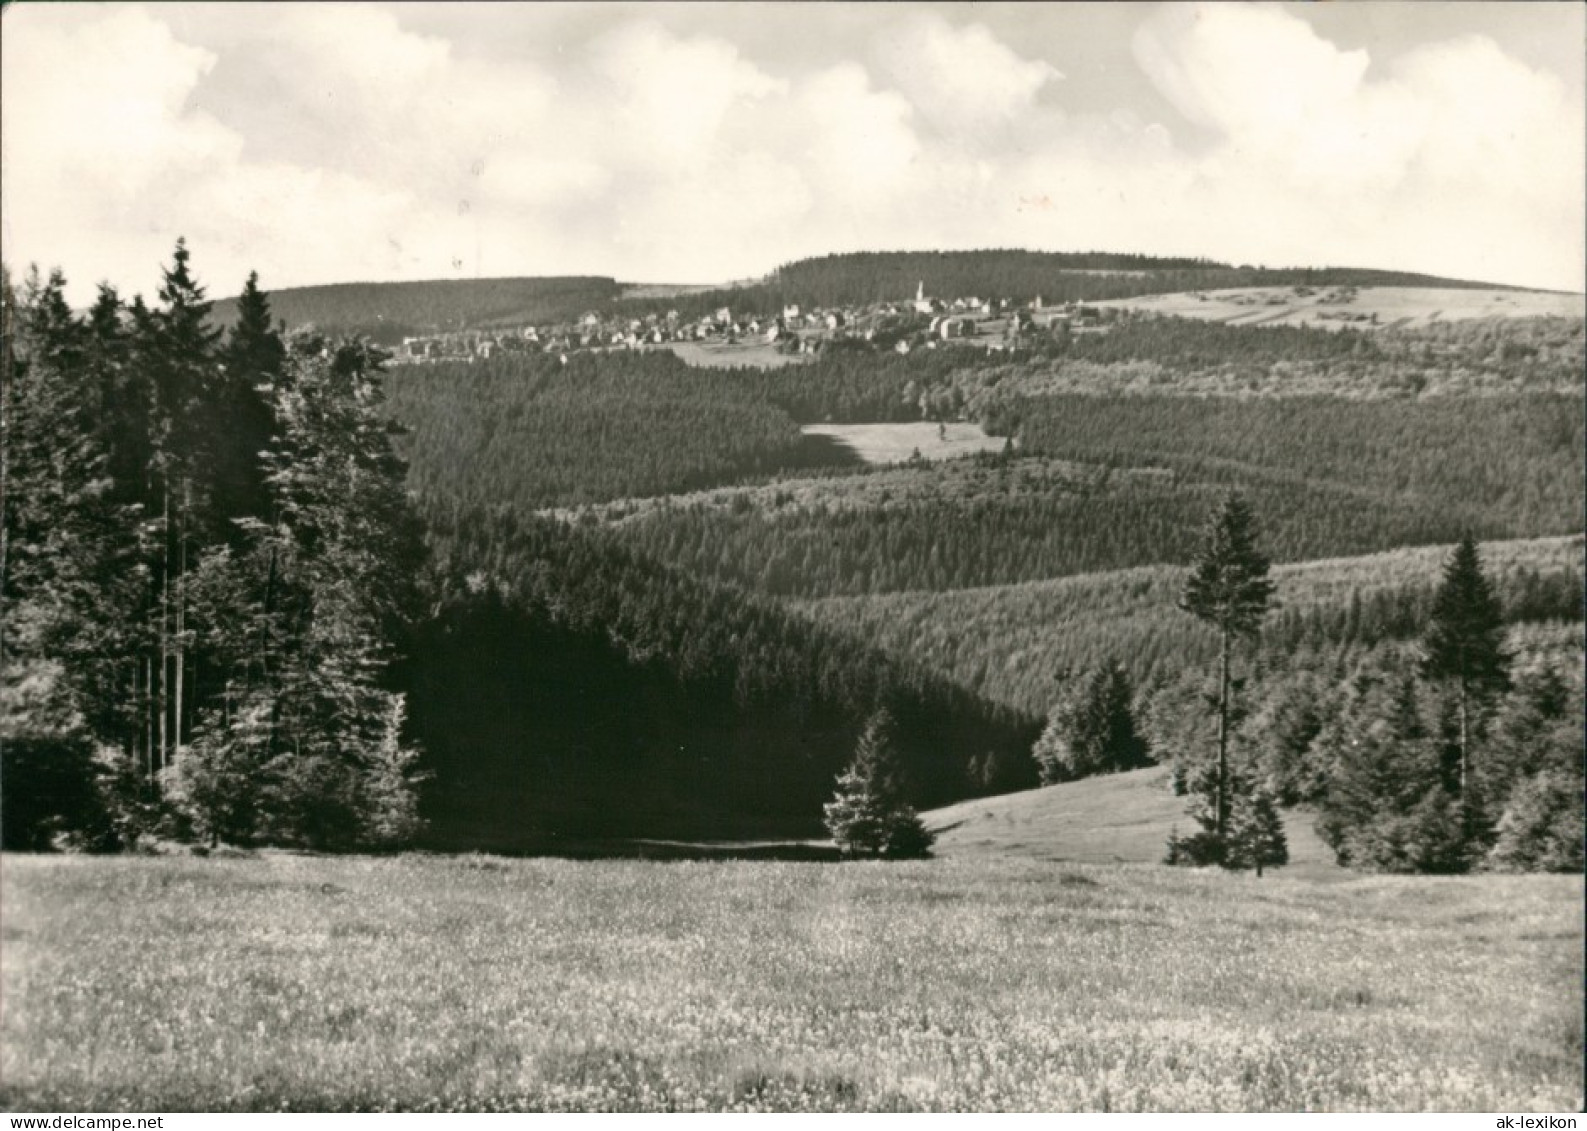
(708, 142)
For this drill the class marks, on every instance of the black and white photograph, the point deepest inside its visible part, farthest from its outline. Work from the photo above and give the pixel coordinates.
(805, 557)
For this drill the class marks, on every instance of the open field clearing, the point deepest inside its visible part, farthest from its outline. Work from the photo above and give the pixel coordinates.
(896, 443)
(757, 355)
(1111, 819)
(955, 984)
(1362, 308)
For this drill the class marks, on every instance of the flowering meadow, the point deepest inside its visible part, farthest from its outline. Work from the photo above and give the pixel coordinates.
(475, 983)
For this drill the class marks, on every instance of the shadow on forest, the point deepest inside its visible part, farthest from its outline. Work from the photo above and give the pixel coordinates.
(817, 450)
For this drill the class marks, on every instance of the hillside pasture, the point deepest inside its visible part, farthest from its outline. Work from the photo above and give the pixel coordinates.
(1109, 819)
(883, 444)
(1363, 308)
(288, 982)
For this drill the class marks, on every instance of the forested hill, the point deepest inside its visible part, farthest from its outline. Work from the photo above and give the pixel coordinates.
(1055, 276)
(861, 278)
(388, 312)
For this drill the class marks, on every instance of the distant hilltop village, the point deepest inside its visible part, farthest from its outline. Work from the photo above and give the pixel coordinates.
(919, 323)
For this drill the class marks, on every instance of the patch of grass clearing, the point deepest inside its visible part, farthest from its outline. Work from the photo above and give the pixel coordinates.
(884, 444)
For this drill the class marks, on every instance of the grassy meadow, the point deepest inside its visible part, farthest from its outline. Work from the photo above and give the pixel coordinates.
(1329, 307)
(963, 983)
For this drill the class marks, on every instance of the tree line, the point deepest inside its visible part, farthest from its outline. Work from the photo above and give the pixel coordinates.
(209, 563)
(1438, 758)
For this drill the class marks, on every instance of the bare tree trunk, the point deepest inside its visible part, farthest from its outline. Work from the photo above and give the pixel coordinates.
(181, 627)
(133, 722)
(165, 611)
(1465, 737)
(146, 701)
(264, 619)
(5, 463)
(1222, 801)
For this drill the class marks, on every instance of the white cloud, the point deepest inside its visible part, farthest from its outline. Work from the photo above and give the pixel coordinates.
(669, 98)
(961, 80)
(1246, 69)
(1456, 159)
(855, 144)
(96, 115)
(328, 142)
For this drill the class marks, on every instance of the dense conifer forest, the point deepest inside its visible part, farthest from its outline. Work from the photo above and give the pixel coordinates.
(262, 588)
(1016, 644)
(567, 687)
(532, 431)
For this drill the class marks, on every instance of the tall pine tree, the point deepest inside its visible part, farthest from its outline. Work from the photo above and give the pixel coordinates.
(1230, 590)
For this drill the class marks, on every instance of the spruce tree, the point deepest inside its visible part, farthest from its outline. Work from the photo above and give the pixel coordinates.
(1230, 590)
(1463, 650)
(253, 359)
(122, 398)
(868, 815)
